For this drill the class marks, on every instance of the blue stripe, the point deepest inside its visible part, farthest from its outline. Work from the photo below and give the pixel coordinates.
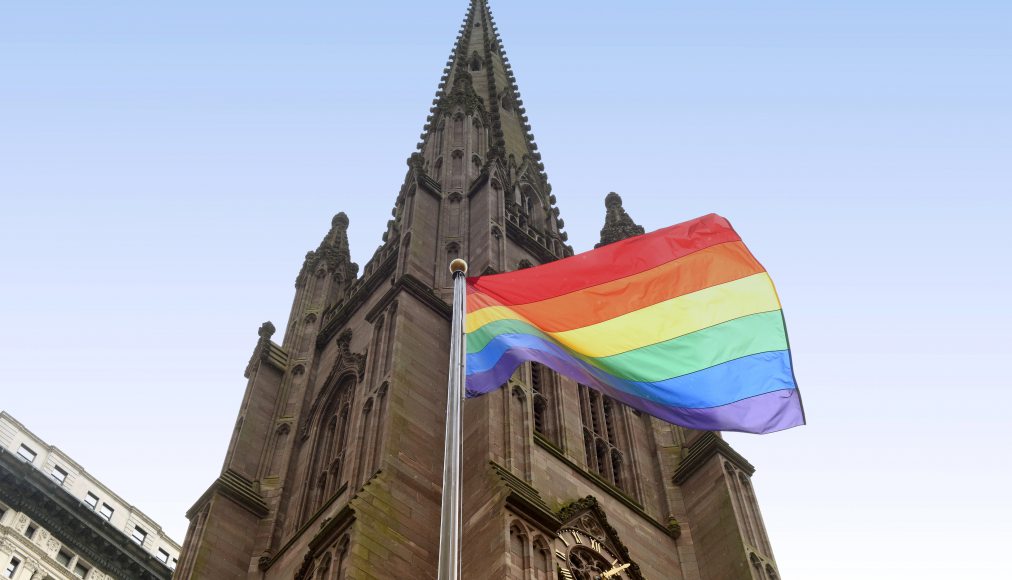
(711, 387)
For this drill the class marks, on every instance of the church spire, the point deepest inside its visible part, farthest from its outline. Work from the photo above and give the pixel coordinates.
(478, 161)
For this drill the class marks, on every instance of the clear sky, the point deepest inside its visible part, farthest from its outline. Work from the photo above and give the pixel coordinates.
(164, 167)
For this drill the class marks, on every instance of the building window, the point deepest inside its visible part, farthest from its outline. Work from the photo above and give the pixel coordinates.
(106, 511)
(12, 567)
(92, 500)
(163, 556)
(30, 531)
(601, 433)
(543, 393)
(80, 570)
(139, 535)
(64, 557)
(173, 564)
(26, 453)
(59, 474)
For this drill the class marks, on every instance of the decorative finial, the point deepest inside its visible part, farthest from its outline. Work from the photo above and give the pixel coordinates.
(617, 223)
(340, 220)
(458, 265)
(266, 330)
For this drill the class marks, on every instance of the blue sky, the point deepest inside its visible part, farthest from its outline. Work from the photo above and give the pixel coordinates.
(165, 167)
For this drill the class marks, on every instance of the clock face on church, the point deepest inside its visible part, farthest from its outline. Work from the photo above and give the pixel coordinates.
(584, 557)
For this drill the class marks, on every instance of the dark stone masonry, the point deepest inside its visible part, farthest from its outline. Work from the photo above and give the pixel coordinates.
(335, 464)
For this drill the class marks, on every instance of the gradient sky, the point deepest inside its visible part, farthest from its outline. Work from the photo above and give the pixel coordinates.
(164, 167)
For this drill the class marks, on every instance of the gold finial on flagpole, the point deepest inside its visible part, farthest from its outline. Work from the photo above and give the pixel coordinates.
(458, 265)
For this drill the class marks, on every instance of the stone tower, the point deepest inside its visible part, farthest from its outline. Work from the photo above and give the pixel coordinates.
(334, 467)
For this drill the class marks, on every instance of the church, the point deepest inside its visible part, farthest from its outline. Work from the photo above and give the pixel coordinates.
(335, 464)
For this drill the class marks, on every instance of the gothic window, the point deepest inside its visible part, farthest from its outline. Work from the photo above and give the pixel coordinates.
(405, 252)
(518, 552)
(439, 137)
(758, 565)
(324, 569)
(602, 435)
(342, 553)
(458, 129)
(330, 447)
(378, 349)
(457, 173)
(377, 447)
(542, 560)
(388, 350)
(438, 170)
(409, 204)
(506, 103)
(543, 391)
(476, 164)
(475, 62)
(364, 460)
(476, 137)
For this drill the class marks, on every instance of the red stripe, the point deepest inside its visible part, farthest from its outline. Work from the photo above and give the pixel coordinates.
(614, 261)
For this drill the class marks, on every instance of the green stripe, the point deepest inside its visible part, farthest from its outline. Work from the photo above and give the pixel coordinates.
(762, 332)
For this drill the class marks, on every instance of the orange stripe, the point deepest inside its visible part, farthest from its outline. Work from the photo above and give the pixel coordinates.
(702, 269)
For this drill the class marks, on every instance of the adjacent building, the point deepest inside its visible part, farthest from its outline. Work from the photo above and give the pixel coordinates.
(334, 468)
(59, 522)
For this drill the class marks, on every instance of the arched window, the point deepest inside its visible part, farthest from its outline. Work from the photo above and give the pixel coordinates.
(518, 552)
(458, 129)
(364, 459)
(457, 168)
(477, 132)
(329, 447)
(475, 62)
(378, 349)
(602, 429)
(543, 391)
(380, 412)
(439, 137)
(542, 560)
(342, 556)
(323, 569)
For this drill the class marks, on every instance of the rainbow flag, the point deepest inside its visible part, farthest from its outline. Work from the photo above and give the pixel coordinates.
(682, 323)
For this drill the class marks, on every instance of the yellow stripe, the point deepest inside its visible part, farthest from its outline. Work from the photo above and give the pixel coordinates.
(664, 321)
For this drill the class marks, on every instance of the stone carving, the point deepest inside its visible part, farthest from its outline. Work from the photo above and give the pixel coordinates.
(266, 330)
(576, 514)
(617, 223)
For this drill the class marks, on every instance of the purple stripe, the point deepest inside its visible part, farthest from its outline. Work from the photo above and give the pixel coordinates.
(764, 413)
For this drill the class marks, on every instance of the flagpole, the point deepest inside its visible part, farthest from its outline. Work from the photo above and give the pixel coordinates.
(449, 524)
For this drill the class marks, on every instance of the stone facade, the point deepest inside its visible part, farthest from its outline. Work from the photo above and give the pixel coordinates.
(335, 464)
(59, 522)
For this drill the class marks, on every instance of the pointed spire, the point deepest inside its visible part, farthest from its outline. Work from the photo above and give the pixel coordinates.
(333, 254)
(617, 223)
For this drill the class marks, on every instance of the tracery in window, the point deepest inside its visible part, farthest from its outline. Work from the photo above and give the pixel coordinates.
(544, 386)
(603, 420)
(330, 447)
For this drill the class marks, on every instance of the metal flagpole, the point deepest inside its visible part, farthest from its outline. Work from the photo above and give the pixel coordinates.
(449, 524)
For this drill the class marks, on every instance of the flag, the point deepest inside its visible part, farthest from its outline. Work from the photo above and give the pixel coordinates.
(682, 323)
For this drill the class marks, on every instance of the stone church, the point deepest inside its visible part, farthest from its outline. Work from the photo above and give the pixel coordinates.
(334, 469)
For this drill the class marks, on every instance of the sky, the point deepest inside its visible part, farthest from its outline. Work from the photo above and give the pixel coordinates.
(164, 167)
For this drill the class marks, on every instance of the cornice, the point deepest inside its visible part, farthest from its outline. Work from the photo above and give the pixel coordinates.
(526, 500)
(701, 450)
(238, 489)
(75, 525)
